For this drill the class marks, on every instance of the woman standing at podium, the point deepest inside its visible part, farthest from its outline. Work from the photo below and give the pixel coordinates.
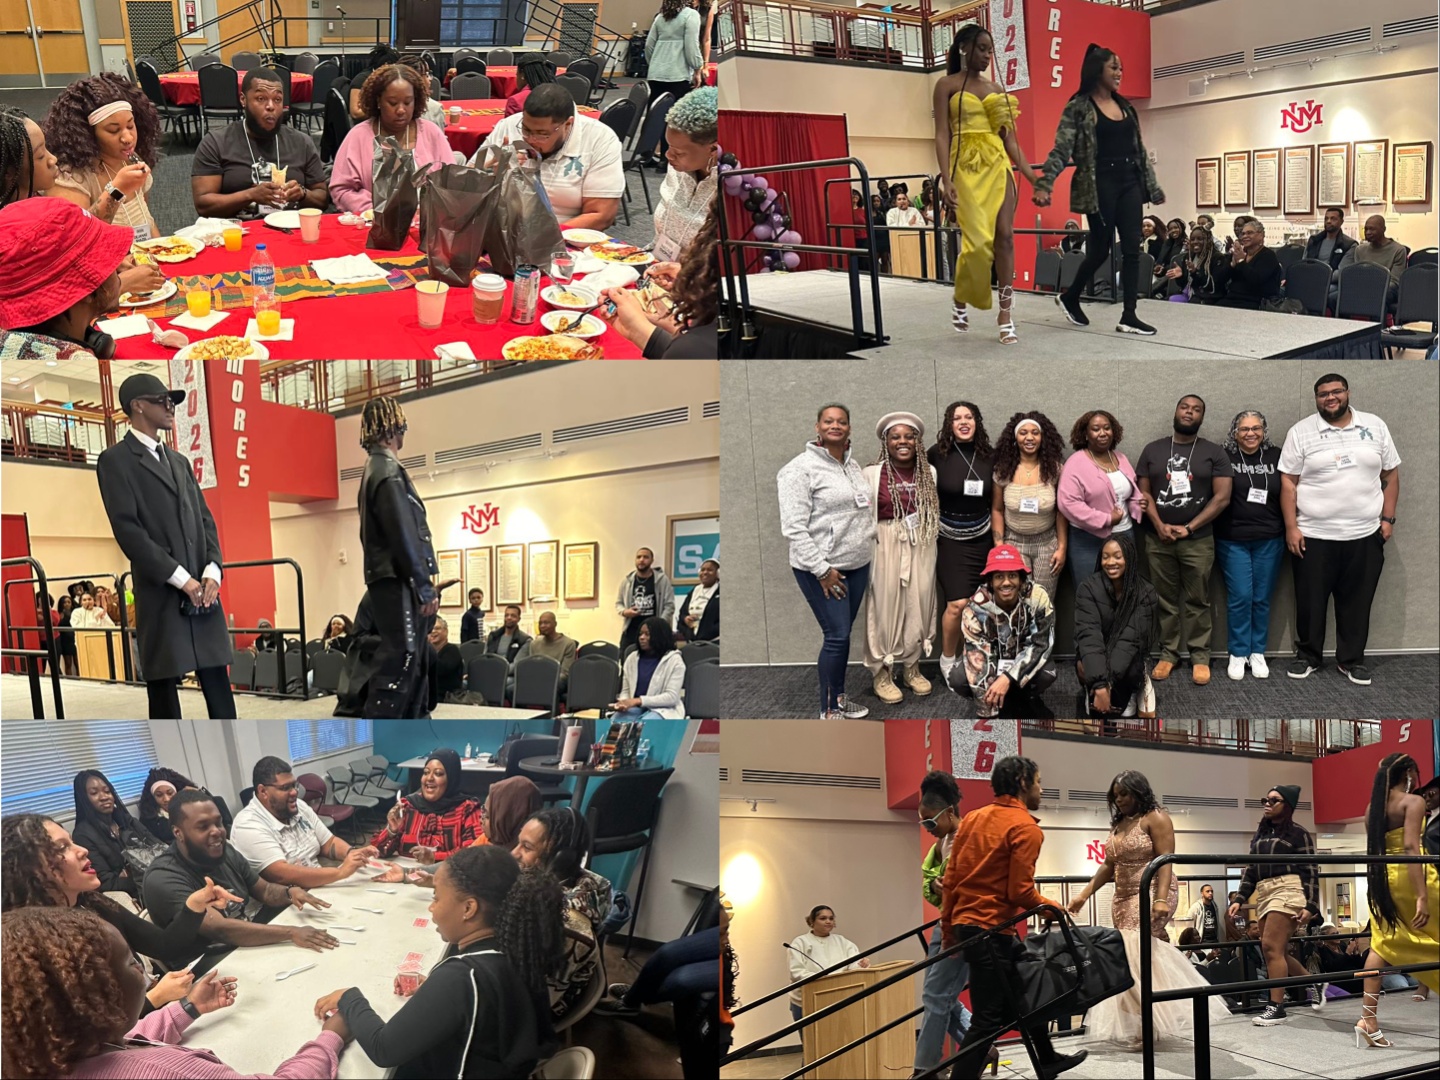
(817, 949)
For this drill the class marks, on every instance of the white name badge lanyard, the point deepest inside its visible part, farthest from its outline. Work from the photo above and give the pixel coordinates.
(1180, 481)
(973, 485)
(1262, 493)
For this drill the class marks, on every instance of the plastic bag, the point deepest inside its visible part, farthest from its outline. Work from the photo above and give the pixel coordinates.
(394, 194)
(451, 202)
(517, 221)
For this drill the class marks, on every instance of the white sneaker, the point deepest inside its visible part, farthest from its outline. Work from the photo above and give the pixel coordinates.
(1130, 706)
(1236, 669)
(1258, 667)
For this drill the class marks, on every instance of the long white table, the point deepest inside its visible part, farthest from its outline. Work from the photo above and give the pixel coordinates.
(271, 1020)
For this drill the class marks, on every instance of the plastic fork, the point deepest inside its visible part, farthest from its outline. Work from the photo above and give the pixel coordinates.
(335, 927)
(372, 910)
(281, 976)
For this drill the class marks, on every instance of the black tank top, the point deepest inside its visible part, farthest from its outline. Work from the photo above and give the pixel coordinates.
(1114, 138)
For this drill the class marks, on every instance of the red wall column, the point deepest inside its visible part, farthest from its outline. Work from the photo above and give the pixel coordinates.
(1342, 782)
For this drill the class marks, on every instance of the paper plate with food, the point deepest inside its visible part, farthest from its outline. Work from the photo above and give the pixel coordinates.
(145, 299)
(585, 237)
(616, 251)
(170, 249)
(223, 347)
(570, 297)
(283, 219)
(572, 323)
(551, 347)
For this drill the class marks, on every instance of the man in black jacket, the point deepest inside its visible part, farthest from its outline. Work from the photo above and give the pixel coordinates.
(399, 565)
(507, 639)
(159, 517)
(699, 618)
(1331, 244)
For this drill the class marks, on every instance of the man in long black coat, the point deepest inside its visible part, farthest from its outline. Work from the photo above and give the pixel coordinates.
(158, 514)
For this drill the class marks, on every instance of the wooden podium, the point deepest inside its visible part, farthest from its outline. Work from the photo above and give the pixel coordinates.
(890, 1054)
(90, 652)
(905, 253)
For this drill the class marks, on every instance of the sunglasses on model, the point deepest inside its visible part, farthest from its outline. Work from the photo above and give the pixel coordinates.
(165, 401)
(1271, 802)
(934, 822)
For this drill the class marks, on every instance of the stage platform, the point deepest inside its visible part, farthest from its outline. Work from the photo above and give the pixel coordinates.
(88, 700)
(917, 321)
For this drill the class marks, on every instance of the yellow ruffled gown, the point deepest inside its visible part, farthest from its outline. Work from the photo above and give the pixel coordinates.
(1403, 944)
(980, 171)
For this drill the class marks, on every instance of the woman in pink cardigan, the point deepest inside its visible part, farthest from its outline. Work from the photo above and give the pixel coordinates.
(1097, 494)
(72, 996)
(394, 100)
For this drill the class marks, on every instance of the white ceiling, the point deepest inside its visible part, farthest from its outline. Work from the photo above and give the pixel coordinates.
(79, 378)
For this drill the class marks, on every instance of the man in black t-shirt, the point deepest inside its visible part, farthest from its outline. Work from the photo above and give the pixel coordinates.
(232, 173)
(644, 592)
(1188, 480)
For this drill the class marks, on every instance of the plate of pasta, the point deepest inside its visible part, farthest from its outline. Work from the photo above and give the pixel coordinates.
(551, 347)
(169, 249)
(615, 251)
(223, 347)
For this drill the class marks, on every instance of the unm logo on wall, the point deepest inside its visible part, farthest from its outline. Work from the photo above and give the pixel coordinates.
(480, 519)
(1297, 117)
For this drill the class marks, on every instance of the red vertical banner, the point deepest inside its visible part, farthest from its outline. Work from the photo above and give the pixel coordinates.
(15, 544)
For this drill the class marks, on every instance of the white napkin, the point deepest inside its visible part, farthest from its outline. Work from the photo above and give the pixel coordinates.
(455, 350)
(613, 276)
(209, 231)
(585, 263)
(125, 326)
(287, 331)
(193, 323)
(348, 269)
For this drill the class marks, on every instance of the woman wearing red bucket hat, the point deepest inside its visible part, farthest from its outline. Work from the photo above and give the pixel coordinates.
(59, 270)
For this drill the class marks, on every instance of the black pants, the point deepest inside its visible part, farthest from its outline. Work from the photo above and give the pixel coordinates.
(992, 989)
(400, 687)
(679, 89)
(1348, 570)
(164, 695)
(1122, 203)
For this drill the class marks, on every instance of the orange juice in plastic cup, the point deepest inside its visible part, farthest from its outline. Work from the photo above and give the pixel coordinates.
(233, 239)
(268, 320)
(198, 301)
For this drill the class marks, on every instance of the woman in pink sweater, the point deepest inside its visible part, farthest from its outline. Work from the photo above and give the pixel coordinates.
(1097, 493)
(394, 100)
(72, 996)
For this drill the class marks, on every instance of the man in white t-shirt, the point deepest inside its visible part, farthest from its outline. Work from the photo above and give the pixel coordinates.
(580, 158)
(283, 838)
(902, 214)
(1340, 481)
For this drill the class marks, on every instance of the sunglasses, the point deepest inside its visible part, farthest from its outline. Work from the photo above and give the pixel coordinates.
(934, 822)
(1271, 802)
(165, 401)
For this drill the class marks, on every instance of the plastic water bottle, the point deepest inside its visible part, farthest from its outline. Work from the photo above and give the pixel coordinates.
(468, 754)
(262, 272)
(643, 753)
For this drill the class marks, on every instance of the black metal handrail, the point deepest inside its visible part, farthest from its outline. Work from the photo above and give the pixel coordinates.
(51, 652)
(108, 631)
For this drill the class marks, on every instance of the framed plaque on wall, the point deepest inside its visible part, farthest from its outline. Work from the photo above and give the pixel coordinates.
(582, 571)
(1237, 178)
(1367, 184)
(1267, 180)
(510, 574)
(1207, 183)
(480, 574)
(544, 581)
(450, 570)
(1410, 178)
(1300, 179)
(1333, 185)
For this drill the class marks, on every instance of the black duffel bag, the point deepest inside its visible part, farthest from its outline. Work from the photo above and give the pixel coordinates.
(1066, 973)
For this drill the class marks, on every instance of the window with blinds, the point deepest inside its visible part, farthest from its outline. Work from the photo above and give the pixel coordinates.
(42, 757)
(311, 739)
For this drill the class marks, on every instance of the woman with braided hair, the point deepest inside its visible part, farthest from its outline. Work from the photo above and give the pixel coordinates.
(531, 70)
(900, 617)
(27, 167)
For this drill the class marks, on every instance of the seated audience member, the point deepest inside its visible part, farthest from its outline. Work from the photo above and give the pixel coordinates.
(902, 214)
(339, 632)
(1114, 628)
(43, 867)
(105, 828)
(1252, 274)
(553, 644)
(74, 998)
(580, 158)
(699, 618)
(269, 639)
(678, 969)
(508, 639)
(1331, 243)
(508, 805)
(447, 669)
(472, 623)
(1073, 240)
(231, 173)
(1152, 231)
(434, 111)
(283, 838)
(687, 330)
(691, 181)
(1206, 222)
(481, 1011)
(90, 617)
(393, 102)
(558, 840)
(201, 853)
(27, 167)
(1193, 273)
(433, 823)
(59, 272)
(1241, 220)
(1171, 247)
(652, 677)
(161, 786)
(1379, 249)
(531, 70)
(1009, 631)
(380, 56)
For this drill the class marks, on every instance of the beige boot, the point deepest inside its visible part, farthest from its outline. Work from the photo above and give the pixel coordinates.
(917, 682)
(885, 688)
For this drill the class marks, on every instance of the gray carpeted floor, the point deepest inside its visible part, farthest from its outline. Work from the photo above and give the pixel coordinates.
(1403, 686)
(173, 207)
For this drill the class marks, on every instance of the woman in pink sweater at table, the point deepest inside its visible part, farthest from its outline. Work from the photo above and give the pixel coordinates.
(393, 100)
(1097, 492)
(72, 996)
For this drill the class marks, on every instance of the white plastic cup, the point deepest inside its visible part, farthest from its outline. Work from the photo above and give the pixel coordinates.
(310, 224)
(430, 300)
(454, 114)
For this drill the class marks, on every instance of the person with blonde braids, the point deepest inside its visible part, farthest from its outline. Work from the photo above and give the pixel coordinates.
(900, 617)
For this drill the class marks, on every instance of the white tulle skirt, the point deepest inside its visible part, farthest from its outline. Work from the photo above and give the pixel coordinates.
(1117, 1019)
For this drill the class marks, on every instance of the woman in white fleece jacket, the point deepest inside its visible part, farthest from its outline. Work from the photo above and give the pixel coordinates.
(825, 514)
(653, 676)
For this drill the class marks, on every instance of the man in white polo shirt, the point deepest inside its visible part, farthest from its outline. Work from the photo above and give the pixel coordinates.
(580, 158)
(1339, 483)
(283, 839)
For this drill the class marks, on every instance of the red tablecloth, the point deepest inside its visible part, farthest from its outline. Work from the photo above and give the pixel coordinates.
(183, 88)
(382, 325)
(502, 79)
(712, 74)
(480, 118)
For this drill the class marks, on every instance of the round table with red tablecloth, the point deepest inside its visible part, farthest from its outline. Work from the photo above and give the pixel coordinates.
(479, 118)
(183, 87)
(381, 324)
(502, 79)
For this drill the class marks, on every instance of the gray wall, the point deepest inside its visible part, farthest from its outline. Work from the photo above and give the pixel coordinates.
(770, 411)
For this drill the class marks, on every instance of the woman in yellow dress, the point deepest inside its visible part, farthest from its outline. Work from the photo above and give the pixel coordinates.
(974, 135)
(1402, 895)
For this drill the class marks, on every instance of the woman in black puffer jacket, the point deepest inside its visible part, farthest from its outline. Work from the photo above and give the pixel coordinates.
(1114, 627)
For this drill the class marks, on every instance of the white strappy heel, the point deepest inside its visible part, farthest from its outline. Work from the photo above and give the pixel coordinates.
(1007, 328)
(1370, 1012)
(960, 318)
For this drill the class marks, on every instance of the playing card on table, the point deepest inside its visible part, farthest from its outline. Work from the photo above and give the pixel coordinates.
(422, 923)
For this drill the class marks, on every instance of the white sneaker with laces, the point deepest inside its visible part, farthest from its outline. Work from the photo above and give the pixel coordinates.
(1236, 668)
(1258, 667)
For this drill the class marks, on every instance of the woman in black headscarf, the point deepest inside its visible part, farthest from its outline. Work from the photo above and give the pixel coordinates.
(105, 827)
(436, 821)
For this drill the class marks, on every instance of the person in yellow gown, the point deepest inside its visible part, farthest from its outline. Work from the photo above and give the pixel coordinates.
(974, 135)
(1404, 897)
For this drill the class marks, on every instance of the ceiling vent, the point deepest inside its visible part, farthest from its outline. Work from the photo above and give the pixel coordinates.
(624, 426)
(1405, 27)
(488, 451)
(1199, 67)
(1207, 802)
(815, 780)
(1308, 46)
(412, 464)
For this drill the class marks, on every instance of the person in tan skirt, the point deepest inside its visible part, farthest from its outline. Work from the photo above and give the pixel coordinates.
(1028, 457)
(900, 615)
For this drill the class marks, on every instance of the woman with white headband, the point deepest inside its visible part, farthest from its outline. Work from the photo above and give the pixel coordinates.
(1028, 458)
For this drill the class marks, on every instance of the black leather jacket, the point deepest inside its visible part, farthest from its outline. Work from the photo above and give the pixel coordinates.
(393, 530)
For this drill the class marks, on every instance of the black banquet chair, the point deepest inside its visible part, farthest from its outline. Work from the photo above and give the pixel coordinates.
(594, 683)
(219, 94)
(1417, 304)
(702, 690)
(537, 684)
(536, 746)
(1309, 282)
(1364, 288)
(622, 816)
(486, 676)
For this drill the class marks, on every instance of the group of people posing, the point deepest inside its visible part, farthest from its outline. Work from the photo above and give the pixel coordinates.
(980, 533)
